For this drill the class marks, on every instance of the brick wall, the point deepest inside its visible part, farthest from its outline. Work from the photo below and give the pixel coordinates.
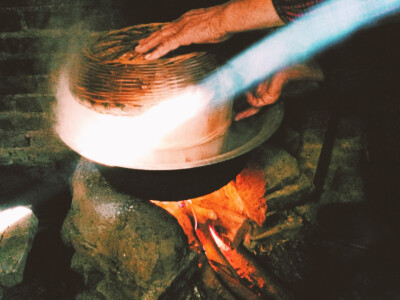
(35, 36)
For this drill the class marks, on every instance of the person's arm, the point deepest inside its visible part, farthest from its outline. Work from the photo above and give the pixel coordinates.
(245, 15)
(288, 10)
(210, 25)
(269, 91)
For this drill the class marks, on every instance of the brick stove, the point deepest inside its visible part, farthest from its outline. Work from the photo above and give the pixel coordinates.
(119, 257)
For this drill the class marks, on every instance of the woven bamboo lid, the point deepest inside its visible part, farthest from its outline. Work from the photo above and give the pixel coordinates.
(110, 77)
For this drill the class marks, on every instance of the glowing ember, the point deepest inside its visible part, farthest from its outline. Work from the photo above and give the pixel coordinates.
(11, 216)
(123, 140)
(220, 243)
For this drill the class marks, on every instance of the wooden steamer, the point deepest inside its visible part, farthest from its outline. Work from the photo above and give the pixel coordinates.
(110, 78)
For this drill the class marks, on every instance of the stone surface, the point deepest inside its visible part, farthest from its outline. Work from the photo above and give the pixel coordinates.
(279, 226)
(125, 247)
(289, 139)
(89, 295)
(278, 245)
(15, 243)
(285, 186)
(312, 133)
(291, 243)
(280, 168)
(345, 180)
(310, 149)
(290, 195)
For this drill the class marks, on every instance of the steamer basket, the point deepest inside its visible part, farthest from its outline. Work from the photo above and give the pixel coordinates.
(109, 81)
(111, 78)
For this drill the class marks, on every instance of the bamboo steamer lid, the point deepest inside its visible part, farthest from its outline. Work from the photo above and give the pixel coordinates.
(110, 77)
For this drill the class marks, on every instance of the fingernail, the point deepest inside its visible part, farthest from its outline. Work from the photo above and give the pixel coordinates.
(147, 57)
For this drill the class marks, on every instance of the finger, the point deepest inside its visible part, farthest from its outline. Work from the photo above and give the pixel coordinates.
(156, 39)
(259, 101)
(268, 92)
(275, 87)
(266, 99)
(262, 88)
(149, 43)
(251, 99)
(246, 113)
(149, 38)
(163, 49)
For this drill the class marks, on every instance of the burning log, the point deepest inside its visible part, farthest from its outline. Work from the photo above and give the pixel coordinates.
(222, 267)
(201, 214)
(224, 209)
(234, 220)
(231, 212)
(248, 270)
(220, 222)
(232, 226)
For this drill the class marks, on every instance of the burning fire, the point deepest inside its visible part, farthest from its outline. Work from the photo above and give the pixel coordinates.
(218, 223)
(122, 140)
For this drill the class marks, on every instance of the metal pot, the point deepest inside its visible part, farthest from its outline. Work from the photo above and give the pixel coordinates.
(173, 185)
(196, 178)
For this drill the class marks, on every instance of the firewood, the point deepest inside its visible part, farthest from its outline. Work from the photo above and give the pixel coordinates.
(228, 206)
(221, 266)
(226, 209)
(232, 226)
(201, 214)
(271, 286)
(245, 266)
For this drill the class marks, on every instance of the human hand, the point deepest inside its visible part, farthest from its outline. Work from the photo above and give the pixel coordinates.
(194, 27)
(210, 25)
(268, 92)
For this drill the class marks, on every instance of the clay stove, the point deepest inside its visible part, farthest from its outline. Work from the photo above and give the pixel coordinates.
(109, 84)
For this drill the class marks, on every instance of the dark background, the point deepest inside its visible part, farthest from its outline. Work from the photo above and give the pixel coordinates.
(362, 80)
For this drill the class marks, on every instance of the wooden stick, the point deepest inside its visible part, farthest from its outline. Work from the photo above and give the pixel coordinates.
(201, 214)
(222, 267)
(232, 226)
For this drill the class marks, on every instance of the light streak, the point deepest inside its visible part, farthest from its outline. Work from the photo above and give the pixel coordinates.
(11, 216)
(121, 140)
(325, 25)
